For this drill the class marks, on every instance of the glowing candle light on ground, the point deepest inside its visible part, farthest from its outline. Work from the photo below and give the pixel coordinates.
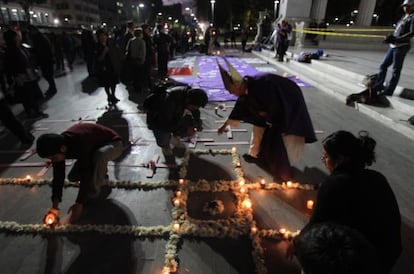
(247, 203)
(242, 190)
(241, 183)
(238, 164)
(181, 181)
(176, 202)
(233, 149)
(254, 230)
(166, 270)
(178, 194)
(282, 230)
(263, 183)
(176, 226)
(309, 204)
(289, 184)
(28, 177)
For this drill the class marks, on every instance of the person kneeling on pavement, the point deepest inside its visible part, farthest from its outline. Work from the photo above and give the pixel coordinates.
(175, 115)
(92, 146)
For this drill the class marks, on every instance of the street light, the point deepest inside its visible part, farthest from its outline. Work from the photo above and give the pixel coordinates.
(212, 2)
(275, 15)
(140, 5)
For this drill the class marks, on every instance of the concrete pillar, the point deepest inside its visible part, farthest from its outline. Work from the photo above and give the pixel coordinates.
(318, 10)
(365, 12)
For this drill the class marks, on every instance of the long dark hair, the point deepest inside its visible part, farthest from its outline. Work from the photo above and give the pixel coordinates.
(358, 151)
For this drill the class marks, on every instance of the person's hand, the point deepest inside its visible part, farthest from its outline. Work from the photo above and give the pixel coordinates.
(75, 212)
(52, 217)
(222, 129)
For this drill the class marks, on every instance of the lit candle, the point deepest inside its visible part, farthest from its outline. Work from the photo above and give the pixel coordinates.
(289, 184)
(241, 183)
(309, 204)
(233, 149)
(238, 164)
(178, 194)
(176, 202)
(282, 230)
(166, 270)
(176, 226)
(242, 190)
(181, 181)
(28, 178)
(253, 230)
(247, 203)
(263, 183)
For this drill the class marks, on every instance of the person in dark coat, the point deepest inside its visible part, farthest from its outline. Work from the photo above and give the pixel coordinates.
(358, 197)
(174, 116)
(107, 65)
(92, 145)
(19, 64)
(162, 43)
(43, 53)
(88, 47)
(149, 56)
(277, 109)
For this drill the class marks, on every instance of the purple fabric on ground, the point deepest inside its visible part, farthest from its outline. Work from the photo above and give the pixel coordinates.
(209, 79)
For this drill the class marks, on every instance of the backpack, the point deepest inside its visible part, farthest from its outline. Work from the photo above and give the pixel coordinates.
(154, 102)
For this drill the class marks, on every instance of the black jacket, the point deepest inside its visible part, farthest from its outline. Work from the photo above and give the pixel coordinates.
(362, 199)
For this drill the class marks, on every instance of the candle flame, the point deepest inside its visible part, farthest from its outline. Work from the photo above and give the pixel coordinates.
(181, 181)
(28, 177)
(247, 203)
(241, 182)
(178, 193)
(289, 184)
(233, 149)
(309, 204)
(242, 190)
(254, 230)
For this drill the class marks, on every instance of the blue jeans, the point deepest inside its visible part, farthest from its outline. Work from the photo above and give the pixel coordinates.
(394, 56)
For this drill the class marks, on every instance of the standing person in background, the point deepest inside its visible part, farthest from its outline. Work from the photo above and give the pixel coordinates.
(43, 53)
(244, 37)
(399, 46)
(135, 54)
(346, 196)
(88, 47)
(107, 59)
(162, 42)
(149, 56)
(19, 65)
(68, 45)
(56, 41)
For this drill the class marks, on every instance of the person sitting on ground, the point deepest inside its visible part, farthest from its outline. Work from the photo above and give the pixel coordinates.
(328, 248)
(358, 197)
(92, 145)
(281, 122)
(175, 115)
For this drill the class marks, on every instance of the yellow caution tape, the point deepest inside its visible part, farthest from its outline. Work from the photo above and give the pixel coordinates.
(339, 34)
